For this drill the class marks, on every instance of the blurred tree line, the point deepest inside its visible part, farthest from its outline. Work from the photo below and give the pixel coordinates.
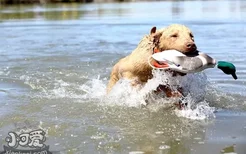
(55, 1)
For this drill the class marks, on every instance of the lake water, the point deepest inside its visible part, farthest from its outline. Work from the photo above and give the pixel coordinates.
(55, 63)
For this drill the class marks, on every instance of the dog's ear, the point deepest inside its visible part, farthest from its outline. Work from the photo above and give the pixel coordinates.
(153, 30)
(155, 35)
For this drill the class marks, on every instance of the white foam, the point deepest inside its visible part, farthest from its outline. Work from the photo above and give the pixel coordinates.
(196, 110)
(123, 94)
(94, 88)
(163, 147)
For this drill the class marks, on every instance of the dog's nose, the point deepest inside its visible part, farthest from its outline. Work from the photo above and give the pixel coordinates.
(191, 46)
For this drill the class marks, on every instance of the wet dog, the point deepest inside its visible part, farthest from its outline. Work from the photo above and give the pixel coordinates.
(136, 67)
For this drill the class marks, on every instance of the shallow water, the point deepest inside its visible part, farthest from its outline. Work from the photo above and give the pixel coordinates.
(56, 60)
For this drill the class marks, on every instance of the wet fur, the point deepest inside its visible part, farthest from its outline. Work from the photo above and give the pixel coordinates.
(135, 66)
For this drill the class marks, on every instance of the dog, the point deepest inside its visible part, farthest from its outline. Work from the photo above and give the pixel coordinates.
(135, 66)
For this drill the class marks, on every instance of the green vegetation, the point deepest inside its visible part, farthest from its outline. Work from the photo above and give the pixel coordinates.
(54, 1)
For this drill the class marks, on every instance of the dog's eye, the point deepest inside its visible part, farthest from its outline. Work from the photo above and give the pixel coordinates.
(191, 35)
(174, 35)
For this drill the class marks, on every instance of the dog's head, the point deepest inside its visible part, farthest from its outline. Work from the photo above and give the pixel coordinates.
(177, 37)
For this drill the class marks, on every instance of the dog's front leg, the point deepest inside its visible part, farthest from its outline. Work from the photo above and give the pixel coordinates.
(172, 93)
(134, 80)
(169, 92)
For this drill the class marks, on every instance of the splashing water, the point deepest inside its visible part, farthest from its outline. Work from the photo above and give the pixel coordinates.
(123, 94)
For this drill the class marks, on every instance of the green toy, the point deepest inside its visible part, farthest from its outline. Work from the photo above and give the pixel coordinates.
(177, 61)
(227, 68)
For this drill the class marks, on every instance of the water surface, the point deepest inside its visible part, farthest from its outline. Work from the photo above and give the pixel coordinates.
(55, 64)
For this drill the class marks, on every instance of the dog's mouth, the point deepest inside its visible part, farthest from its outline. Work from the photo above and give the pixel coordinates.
(187, 53)
(191, 54)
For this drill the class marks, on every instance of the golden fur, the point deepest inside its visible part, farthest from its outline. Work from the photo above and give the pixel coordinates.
(135, 66)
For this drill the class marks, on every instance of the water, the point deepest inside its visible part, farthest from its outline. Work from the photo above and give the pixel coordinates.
(55, 65)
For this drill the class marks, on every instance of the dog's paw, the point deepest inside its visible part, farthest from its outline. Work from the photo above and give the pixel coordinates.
(181, 105)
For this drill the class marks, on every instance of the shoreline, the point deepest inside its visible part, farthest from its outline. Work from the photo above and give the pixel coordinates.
(12, 2)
